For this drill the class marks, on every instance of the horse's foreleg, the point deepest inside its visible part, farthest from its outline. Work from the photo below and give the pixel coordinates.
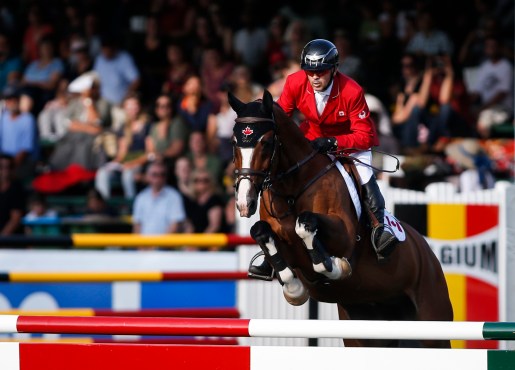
(293, 289)
(307, 227)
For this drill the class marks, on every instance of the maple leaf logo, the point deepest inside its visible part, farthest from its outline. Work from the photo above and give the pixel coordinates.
(247, 131)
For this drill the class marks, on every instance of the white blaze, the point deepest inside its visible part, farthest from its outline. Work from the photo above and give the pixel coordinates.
(244, 185)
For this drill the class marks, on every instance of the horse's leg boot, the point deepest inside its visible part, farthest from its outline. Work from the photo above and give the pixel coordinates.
(384, 241)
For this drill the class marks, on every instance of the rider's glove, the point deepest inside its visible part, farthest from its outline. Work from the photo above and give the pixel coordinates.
(324, 144)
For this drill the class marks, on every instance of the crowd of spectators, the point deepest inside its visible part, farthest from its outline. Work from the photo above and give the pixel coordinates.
(135, 92)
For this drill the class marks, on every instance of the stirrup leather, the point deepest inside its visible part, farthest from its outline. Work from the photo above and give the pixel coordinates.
(257, 276)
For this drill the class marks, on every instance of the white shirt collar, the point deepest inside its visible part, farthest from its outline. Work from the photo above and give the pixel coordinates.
(326, 91)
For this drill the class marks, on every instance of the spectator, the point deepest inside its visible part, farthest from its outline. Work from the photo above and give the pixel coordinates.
(244, 88)
(52, 123)
(471, 164)
(221, 27)
(349, 62)
(150, 55)
(492, 92)
(182, 179)
(194, 107)
(204, 37)
(214, 71)
(97, 208)
(41, 76)
(132, 151)
(80, 60)
(158, 209)
(169, 135)
(472, 51)
(250, 43)
(38, 209)
(86, 116)
(429, 41)
(201, 158)
(10, 64)
(208, 215)
(275, 48)
(179, 70)
(12, 198)
(407, 113)
(119, 76)
(285, 69)
(36, 30)
(18, 135)
(219, 128)
(92, 34)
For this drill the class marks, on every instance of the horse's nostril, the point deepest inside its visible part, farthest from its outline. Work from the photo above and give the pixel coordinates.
(252, 204)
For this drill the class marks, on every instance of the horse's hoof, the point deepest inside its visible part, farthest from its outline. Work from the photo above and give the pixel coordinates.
(344, 266)
(295, 293)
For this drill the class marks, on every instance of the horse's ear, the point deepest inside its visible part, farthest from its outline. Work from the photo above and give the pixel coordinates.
(235, 103)
(268, 102)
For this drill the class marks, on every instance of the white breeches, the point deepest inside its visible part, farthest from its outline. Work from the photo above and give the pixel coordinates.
(365, 172)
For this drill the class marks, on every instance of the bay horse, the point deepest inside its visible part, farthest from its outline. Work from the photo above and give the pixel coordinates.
(311, 233)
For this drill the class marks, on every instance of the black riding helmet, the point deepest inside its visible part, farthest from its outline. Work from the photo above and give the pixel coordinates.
(319, 55)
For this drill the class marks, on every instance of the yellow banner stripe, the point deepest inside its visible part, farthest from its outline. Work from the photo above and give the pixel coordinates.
(457, 285)
(132, 240)
(446, 221)
(60, 312)
(100, 277)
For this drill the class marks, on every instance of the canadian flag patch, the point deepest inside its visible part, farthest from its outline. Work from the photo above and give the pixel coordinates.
(247, 131)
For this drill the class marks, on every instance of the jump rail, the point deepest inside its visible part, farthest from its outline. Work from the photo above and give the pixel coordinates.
(42, 356)
(216, 240)
(229, 312)
(357, 329)
(103, 277)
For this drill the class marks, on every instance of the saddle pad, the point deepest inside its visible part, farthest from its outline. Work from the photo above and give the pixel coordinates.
(352, 188)
(395, 225)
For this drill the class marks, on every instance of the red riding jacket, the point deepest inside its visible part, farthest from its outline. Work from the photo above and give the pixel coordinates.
(345, 117)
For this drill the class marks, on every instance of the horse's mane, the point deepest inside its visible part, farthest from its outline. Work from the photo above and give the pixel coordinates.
(287, 125)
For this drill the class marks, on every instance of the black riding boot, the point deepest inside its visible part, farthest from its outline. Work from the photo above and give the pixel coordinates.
(263, 271)
(383, 241)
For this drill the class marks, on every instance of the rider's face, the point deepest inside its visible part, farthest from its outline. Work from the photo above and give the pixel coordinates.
(319, 80)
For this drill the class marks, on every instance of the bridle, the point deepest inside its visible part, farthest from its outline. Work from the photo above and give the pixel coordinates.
(246, 173)
(266, 184)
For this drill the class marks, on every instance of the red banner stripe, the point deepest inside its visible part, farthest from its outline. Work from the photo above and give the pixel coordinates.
(132, 357)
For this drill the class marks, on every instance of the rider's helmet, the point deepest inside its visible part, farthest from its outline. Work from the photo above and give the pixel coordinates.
(319, 55)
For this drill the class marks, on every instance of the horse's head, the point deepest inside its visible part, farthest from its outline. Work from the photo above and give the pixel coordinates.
(254, 140)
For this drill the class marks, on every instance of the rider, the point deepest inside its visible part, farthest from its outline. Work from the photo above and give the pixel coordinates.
(336, 118)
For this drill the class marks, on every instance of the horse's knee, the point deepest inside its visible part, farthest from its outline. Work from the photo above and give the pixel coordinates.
(307, 222)
(261, 232)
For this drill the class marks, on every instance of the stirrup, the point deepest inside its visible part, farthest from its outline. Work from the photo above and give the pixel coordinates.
(252, 275)
(384, 251)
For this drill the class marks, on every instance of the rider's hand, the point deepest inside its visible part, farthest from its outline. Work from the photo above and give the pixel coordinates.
(325, 144)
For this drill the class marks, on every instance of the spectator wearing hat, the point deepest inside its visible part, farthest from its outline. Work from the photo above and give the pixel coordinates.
(86, 116)
(18, 136)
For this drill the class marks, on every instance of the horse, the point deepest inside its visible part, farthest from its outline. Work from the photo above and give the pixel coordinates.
(311, 232)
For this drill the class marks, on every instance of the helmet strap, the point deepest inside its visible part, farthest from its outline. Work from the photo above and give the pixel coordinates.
(332, 78)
